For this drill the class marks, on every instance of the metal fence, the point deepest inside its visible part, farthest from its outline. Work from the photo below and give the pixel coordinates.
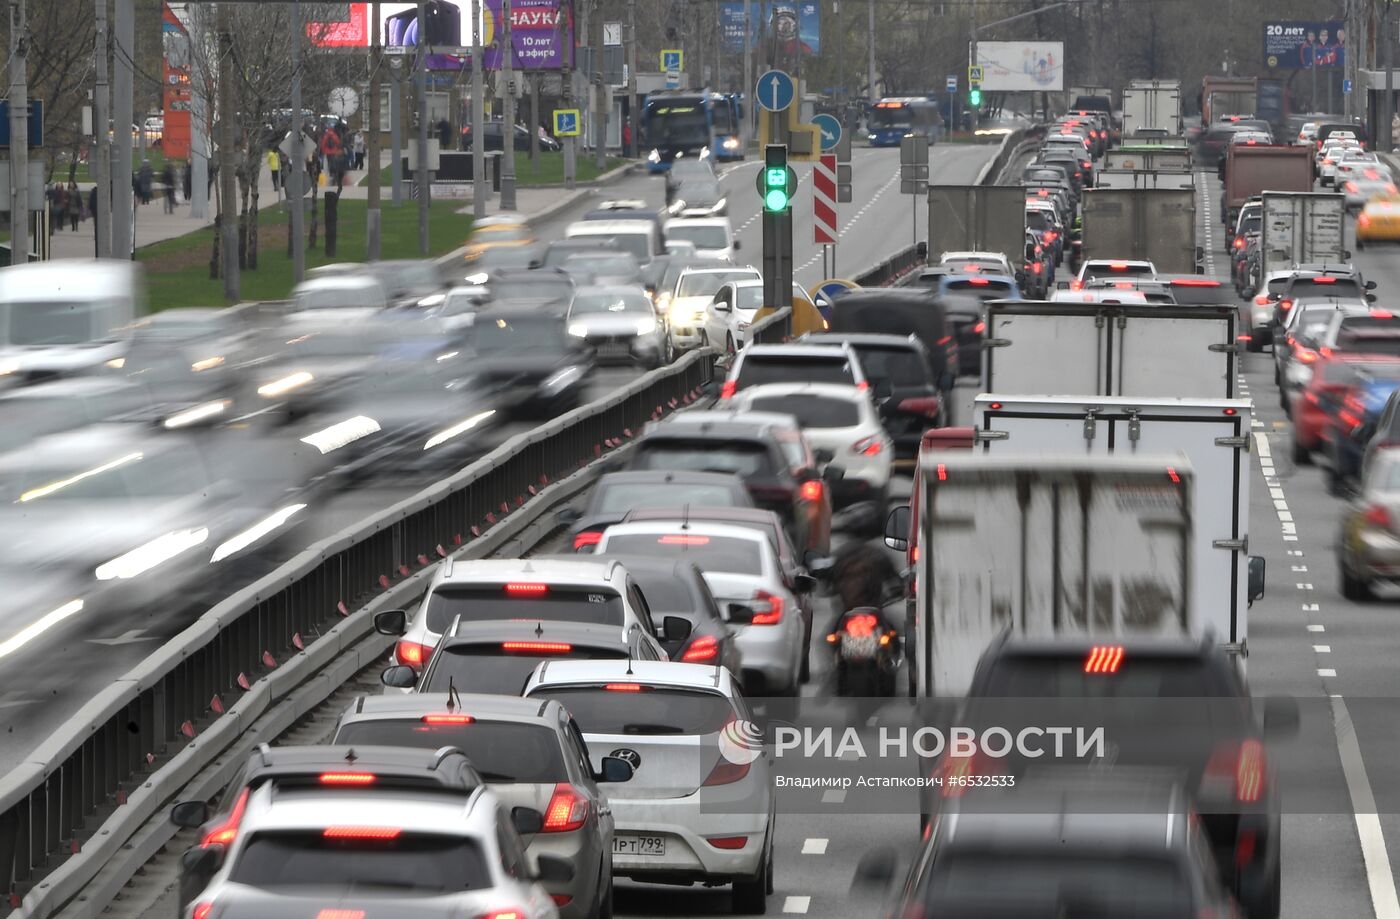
(773, 329)
(64, 790)
(895, 267)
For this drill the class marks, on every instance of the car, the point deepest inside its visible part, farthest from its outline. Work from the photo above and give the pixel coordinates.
(500, 655)
(732, 311)
(620, 326)
(688, 303)
(690, 814)
(529, 755)
(1378, 220)
(1366, 185)
(1037, 274)
(559, 251)
(1259, 317)
(1296, 343)
(1350, 418)
(615, 493)
(636, 234)
(337, 297)
(1349, 130)
(629, 209)
(841, 424)
(742, 569)
(1324, 396)
(1384, 434)
(811, 361)
(1073, 164)
(1250, 222)
(688, 168)
(492, 590)
(990, 262)
(1322, 282)
(534, 288)
(1091, 844)
(604, 269)
(1094, 268)
(1356, 161)
(1043, 218)
(764, 521)
(493, 133)
(698, 197)
(767, 451)
(712, 237)
(1368, 541)
(900, 365)
(188, 355)
(539, 369)
(386, 825)
(489, 233)
(1213, 141)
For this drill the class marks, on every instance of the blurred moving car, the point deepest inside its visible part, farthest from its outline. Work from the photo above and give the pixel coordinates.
(529, 357)
(336, 297)
(500, 232)
(899, 365)
(1368, 542)
(603, 268)
(64, 317)
(732, 311)
(712, 237)
(619, 325)
(1378, 220)
(688, 305)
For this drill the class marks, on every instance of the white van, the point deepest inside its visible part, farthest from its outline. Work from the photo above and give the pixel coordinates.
(713, 236)
(639, 237)
(66, 316)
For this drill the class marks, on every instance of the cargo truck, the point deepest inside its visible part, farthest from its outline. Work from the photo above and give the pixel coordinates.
(977, 218)
(1142, 178)
(1156, 224)
(1227, 96)
(1253, 170)
(1159, 158)
(1152, 105)
(1303, 228)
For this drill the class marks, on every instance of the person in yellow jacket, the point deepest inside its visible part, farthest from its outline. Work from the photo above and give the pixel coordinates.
(274, 164)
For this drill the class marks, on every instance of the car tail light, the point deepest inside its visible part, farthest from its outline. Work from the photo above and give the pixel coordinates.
(1087, 164)
(1326, 162)
(728, 389)
(978, 282)
(1285, 305)
(1104, 659)
(811, 491)
(725, 772)
(561, 899)
(537, 647)
(587, 538)
(1364, 220)
(682, 539)
(1352, 187)
(1037, 266)
(728, 842)
(202, 910)
(358, 779)
(410, 653)
(567, 810)
(526, 590)
(1076, 284)
(1323, 280)
(1382, 314)
(1261, 300)
(622, 687)
(868, 446)
(1244, 765)
(701, 651)
(226, 832)
(1245, 847)
(361, 832)
(1376, 515)
(1239, 242)
(505, 914)
(767, 608)
(861, 625)
(447, 719)
(1304, 355)
(1195, 282)
(979, 328)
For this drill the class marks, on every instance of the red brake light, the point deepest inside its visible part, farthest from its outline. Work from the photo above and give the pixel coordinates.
(537, 647)
(867, 446)
(410, 653)
(505, 914)
(447, 719)
(1122, 285)
(1261, 300)
(1104, 659)
(702, 650)
(1198, 282)
(767, 608)
(341, 914)
(979, 328)
(202, 910)
(362, 832)
(673, 539)
(526, 590)
(1305, 355)
(942, 472)
(1239, 242)
(728, 389)
(1377, 515)
(567, 810)
(1043, 193)
(1323, 280)
(1076, 284)
(1173, 475)
(1228, 412)
(226, 832)
(623, 687)
(811, 491)
(979, 282)
(728, 842)
(1118, 266)
(1285, 305)
(861, 625)
(1364, 220)
(1037, 266)
(587, 538)
(1249, 771)
(1382, 314)
(1352, 187)
(347, 778)
(863, 385)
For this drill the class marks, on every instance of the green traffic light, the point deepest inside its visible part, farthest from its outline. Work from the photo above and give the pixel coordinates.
(974, 97)
(775, 200)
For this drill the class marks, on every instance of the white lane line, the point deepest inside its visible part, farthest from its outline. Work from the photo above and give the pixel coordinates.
(814, 846)
(1368, 825)
(1326, 672)
(1322, 649)
(834, 796)
(1316, 628)
(798, 905)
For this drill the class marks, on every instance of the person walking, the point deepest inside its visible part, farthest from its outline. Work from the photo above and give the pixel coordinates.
(359, 150)
(187, 175)
(145, 179)
(167, 178)
(273, 165)
(75, 205)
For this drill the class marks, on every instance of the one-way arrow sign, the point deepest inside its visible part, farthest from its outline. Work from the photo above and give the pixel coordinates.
(775, 91)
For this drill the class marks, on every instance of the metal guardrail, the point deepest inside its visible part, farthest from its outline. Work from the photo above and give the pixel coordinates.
(53, 802)
(893, 268)
(773, 329)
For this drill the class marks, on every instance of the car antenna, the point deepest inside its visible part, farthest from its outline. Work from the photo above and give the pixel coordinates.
(629, 656)
(454, 701)
(539, 628)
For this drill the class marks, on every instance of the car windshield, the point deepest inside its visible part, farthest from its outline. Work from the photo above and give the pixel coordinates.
(521, 333)
(636, 244)
(621, 498)
(1302, 288)
(704, 236)
(727, 554)
(757, 369)
(63, 322)
(556, 255)
(744, 458)
(641, 711)
(340, 298)
(527, 601)
(1155, 676)
(896, 366)
(543, 286)
(707, 283)
(407, 863)
(974, 884)
(502, 751)
(811, 411)
(613, 303)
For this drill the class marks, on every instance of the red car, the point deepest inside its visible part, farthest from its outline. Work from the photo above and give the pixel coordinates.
(1323, 399)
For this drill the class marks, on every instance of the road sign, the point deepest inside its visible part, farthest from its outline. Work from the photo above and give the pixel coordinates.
(913, 164)
(952, 82)
(827, 291)
(775, 91)
(36, 123)
(566, 122)
(974, 74)
(673, 60)
(824, 200)
(673, 79)
(831, 131)
(1346, 87)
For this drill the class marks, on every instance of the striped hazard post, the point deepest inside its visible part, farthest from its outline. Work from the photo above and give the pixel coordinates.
(824, 200)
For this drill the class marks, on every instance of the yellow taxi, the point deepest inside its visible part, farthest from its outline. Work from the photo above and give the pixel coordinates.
(1379, 220)
(497, 233)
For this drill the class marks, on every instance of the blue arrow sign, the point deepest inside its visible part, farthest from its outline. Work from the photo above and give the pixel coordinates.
(831, 131)
(775, 91)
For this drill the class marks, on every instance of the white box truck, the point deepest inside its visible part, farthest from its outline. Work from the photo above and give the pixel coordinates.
(1156, 224)
(1303, 228)
(1212, 433)
(1143, 178)
(1152, 105)
(1068, 349)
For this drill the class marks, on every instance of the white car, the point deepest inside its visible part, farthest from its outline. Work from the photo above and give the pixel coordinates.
(843, 428)
(743, 570)
(1330, 156)
(1113, 268)
(1099, 295)
(1307, 133)
(336, 297)
(700, 805)
(1354, 162)
(689, 303)
(809, 361)
(1262, 305)
(713, 236)
(731, 312)
(989, 262)
(1363, 185)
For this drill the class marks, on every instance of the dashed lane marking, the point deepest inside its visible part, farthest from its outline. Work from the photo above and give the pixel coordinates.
(814, 846)
(1322, 649)
(798, 905)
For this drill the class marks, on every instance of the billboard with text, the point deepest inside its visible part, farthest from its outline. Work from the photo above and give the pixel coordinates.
(1305, 45)
(1022, 66)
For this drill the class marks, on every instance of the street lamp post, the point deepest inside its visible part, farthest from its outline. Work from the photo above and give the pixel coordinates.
(508, 122)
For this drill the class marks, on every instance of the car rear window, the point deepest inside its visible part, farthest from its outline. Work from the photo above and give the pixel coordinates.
(1369, 341)
(492, 668)
(897, 366)
(502, 751)
(811, 411)
(1149, 677)
(1325, 287)
(523, 601)
(725, 554)
(408, 863)
(757, 369)
(982, 288)
(1107, 270)
(744, 458)
(642, 710)
(1112, 884)
(621, 498)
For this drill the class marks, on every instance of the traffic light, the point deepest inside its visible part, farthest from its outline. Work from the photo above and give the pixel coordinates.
(776, 194)
(974, 97)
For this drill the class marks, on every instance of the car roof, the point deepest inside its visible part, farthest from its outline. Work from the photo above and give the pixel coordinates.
(878, 340)
(714, 430)
(846, 392)
(603, 227)
(813, 348)
(708, 677)
(437, 815)
(738, 419)
(696, 528)
(483, 705)
(740, 516)
(698, 222)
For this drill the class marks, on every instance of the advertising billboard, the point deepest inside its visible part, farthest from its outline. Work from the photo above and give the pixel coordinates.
(1305, 45)
(1022, 66)
(796, 23)
(175, 86)
(538, 41)
(341, 25)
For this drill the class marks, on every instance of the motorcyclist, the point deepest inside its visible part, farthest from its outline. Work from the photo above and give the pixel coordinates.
(863, 576)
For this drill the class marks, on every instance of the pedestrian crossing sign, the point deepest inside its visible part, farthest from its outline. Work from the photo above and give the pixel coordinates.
(566, 122)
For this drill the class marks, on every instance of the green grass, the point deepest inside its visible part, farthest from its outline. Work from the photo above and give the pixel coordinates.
(177, 270)
(548, 170)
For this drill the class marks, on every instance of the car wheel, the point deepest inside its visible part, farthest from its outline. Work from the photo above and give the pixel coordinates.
(1353, 588)
(1302, 456)
(750, 896)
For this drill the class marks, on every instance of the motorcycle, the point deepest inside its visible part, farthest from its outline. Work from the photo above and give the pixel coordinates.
(867, 651)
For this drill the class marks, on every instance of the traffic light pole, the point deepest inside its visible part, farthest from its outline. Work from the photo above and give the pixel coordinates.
(776, 183)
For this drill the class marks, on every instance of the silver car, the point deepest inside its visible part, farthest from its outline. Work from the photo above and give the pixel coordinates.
(620, 325)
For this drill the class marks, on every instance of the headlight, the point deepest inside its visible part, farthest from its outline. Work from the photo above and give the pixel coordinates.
(431, 300)
(480, 277)
(654, 156)
(285, 384)
(719, 205)
(646, 326)
(578, 330)
(556, 383)
(731, 143)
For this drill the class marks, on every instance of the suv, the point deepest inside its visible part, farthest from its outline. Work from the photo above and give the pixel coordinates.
(899, 365)
(1096, 268)
(809, 362)
(1296, 343)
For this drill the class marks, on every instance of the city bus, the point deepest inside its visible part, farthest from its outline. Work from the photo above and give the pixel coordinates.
(700, 124)
(892, 118)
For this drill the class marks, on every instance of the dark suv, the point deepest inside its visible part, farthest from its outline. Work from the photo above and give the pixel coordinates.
(909, 397)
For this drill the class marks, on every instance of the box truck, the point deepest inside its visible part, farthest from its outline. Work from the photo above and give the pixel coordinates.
(1152, 105)
(1156, 224)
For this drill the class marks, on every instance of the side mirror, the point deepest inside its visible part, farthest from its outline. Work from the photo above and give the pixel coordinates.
(526, 820)
(1256, 577)
(391, 622)
(569, 516)
(897, 528)
(553, 870)
(615, 769)
(399, 676)
(720, 306)
(1370, 285)
(739, 614)
(824, 454)
(1280, 717)
(203, 861)
(676, 629)
(876, 869)
(190, 814)
(833, 473)
(804, 583)
(737, 246)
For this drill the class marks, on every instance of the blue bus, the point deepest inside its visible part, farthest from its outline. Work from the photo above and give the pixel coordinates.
(699, 124)
(891, 118)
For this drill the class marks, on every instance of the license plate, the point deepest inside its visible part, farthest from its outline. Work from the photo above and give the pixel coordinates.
(612, 349)
(639, 845)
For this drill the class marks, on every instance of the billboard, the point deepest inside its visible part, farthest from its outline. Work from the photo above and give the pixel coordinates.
(797, 24)
(342, 25)
(536, 37)
(1305, 45)
(175, 86)
(1022, 66)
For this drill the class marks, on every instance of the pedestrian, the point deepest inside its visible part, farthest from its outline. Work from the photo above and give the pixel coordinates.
(273, 165)
(359, 150)
(167, 178)
(626, 139)
(145, 179)
(188, 176)
(1395, 130)
(55, 197)
(75, 205)
(331, 148)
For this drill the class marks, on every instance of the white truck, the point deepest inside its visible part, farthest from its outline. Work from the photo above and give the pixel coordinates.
(1213, 433)
(1150, 105)
(1155, 224)
(1143, 178)
(1303, 228)
(1039, 545)
(1154, 158)
(1072, 349)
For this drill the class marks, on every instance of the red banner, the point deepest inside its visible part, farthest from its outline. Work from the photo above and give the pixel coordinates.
(175, 80)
